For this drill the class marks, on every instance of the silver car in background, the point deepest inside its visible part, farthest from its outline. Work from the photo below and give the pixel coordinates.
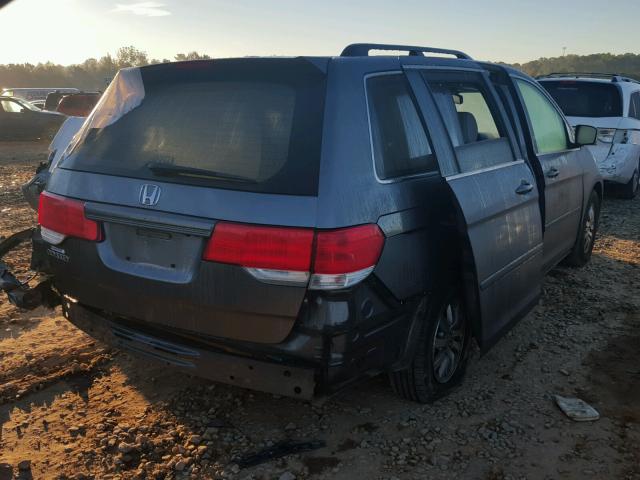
(611, 103)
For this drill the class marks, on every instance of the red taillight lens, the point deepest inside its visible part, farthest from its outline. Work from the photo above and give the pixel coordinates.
(283, 256)
(66, 216)
(278, 248)
(348, 249)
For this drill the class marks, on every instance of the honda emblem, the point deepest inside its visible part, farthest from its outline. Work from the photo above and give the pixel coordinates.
(149, 194)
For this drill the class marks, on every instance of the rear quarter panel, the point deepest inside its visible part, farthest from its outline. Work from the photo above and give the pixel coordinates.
(409, 211)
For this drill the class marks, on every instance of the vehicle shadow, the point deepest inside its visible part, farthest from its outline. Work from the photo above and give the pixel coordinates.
(75, 384)
(618, 218)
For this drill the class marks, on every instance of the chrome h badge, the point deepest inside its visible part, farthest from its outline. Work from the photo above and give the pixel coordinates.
(149, 194)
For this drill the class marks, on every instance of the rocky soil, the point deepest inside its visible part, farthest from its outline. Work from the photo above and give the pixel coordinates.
(72, 408)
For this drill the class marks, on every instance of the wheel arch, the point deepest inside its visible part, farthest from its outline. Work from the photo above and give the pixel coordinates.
(598, 187)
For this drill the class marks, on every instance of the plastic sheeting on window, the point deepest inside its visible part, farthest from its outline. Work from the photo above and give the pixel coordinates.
(63, 138)
(124, 93)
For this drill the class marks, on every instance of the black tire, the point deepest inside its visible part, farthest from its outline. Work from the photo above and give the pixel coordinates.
(420, 382)
(630, 190)
(581, 253)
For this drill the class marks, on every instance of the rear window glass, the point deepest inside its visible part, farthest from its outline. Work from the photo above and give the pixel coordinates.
(585, 99)
(251, 125)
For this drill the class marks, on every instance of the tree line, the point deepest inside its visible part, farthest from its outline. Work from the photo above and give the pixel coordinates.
(92, 74)
(95, 74)
(627, 64)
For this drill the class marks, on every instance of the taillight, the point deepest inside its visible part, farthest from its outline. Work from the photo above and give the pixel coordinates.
(346, 256)
(61, 217)
(261, 247)
(606, 135)
(282, 255)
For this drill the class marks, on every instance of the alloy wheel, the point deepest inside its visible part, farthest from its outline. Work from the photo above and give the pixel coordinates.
(448, 343)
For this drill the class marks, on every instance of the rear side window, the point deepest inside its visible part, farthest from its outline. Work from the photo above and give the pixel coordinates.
(471, 116)
(549, 129)
(400, 143)
(585, 99)
(252, 125)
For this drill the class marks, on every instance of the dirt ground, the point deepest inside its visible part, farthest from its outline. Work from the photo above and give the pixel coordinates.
(72, 408)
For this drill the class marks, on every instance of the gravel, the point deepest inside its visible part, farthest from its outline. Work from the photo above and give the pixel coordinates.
(111, 416)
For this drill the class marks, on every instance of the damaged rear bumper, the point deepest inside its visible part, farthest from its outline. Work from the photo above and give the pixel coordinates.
(20, 293)
(276, 378)
(339, 338)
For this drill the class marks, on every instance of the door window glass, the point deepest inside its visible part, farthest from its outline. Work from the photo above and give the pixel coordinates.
(400, 142)
(471, 118)
(549, 129)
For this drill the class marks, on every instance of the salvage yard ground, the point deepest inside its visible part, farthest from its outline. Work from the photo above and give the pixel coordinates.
(72, 408)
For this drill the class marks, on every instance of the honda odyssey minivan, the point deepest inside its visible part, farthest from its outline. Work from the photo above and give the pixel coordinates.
(293, 225)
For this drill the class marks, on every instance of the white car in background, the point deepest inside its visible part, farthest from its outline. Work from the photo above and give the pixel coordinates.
(611, 103)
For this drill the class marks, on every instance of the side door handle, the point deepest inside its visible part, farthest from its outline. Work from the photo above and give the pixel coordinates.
(524, 188)
(553, 172)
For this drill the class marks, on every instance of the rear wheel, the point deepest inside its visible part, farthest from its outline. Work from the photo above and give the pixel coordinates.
(630, 190)
(441, 357)
(581, 253)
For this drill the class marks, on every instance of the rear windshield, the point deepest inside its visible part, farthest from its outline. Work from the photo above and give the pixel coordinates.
(585, 99)
(79, 101)
(242, 124)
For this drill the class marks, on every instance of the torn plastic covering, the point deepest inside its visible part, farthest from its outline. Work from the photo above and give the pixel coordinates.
(69, 128)
(124, 93)
(32, 189)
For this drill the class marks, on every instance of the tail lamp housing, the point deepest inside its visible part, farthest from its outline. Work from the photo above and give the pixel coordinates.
(324, 260)
(62, 217)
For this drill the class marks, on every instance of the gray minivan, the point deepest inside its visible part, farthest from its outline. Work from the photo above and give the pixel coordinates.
(292, 225)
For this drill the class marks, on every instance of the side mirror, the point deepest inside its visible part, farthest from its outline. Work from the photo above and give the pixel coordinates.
(586, 135)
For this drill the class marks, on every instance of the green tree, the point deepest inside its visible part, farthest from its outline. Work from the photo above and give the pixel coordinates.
(181, 57)
(131, 57)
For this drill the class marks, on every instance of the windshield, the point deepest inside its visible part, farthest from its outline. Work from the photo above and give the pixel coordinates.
(585, 99)
(259, 120)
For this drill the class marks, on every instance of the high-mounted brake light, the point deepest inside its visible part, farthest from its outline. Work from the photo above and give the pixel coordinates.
(283, 255)
(61, 217)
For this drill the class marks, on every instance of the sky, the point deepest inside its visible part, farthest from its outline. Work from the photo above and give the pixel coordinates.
(70, 31)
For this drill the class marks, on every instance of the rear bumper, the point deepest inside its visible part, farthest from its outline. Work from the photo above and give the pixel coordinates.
(221, 367)
(316, 359)
(338, 337)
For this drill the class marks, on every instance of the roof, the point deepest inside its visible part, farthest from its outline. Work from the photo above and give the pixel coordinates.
(589, 77)
(357, 52)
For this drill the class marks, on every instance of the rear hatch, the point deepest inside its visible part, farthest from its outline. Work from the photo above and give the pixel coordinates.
(170, 153)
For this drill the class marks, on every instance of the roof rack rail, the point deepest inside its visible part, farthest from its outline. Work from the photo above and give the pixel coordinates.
(614, 77)
(363, 49)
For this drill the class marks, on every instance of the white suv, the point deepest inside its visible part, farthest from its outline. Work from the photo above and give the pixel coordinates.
(611, 103)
